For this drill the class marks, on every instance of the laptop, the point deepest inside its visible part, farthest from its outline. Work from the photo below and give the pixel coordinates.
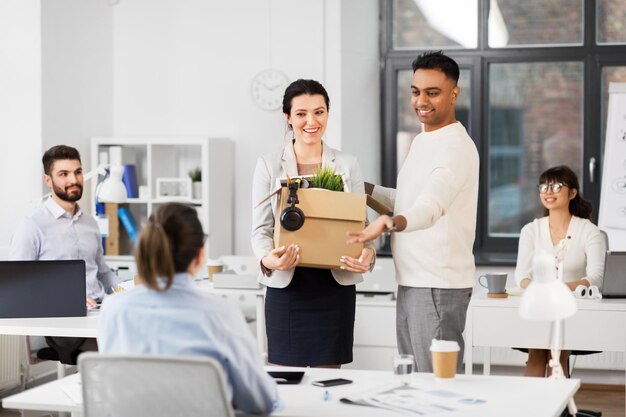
(614, 283)
(42, 289)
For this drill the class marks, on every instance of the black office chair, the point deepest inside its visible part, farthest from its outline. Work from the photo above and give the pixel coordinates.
(64, 350)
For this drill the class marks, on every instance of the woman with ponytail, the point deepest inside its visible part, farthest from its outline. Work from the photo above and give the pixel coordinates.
(167, 315)
(567, 216)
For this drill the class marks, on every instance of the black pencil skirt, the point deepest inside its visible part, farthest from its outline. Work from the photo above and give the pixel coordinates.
(311, 321)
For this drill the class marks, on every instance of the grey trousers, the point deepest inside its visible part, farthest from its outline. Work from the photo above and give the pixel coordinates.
(423, 314)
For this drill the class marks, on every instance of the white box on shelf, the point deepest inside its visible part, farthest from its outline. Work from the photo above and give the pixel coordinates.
(171, 189)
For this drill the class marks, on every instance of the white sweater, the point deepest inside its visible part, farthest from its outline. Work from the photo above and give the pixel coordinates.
(437, 192)
(584, 256)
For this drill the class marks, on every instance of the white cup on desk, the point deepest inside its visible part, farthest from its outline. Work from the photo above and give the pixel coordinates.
(403, 367)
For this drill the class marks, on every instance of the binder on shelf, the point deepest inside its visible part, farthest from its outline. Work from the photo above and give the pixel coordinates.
(127, 220)
(112, 241)
(130, 181)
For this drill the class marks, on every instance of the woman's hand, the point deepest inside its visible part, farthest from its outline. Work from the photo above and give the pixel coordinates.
(282, 258)
(371, 232)
(525, 283)
(360, 265)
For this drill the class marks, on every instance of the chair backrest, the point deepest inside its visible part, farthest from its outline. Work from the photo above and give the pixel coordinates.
(155, 386)
(606, 239)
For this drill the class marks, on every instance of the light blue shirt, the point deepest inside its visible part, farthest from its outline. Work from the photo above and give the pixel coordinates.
(51, 233)
(183, 321)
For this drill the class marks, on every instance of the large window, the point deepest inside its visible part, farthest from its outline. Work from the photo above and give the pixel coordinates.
(534, 90)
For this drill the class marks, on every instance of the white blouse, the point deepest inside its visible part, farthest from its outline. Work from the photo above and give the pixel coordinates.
(584, 257)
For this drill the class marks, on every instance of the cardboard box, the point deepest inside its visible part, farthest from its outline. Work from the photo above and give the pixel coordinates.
(329, 216)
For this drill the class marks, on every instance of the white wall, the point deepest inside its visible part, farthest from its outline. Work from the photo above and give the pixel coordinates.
(76, 80)
(20, 111)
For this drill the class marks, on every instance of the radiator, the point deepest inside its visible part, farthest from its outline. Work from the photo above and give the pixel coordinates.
(506, 356)
(10, 354)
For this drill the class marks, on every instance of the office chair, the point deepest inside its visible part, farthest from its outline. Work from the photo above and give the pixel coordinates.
(155, 386)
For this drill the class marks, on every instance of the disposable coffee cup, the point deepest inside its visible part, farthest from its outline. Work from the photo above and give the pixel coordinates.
(495, 282)
(214, 266)
(445, 353)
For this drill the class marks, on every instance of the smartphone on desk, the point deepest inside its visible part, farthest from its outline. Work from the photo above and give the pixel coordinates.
(332, 382)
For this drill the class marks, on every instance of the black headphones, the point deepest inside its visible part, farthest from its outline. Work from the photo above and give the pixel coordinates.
(292, 218)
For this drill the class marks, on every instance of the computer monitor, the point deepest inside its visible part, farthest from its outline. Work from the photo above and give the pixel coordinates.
(42, 289)
(614, 282)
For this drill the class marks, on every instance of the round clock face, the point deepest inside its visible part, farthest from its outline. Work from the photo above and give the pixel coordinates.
(268, 88)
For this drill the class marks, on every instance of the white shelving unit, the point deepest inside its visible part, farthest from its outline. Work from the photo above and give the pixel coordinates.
(174, 158)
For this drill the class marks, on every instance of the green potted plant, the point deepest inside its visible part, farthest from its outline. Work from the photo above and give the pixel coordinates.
(196, 183)
(327, 179)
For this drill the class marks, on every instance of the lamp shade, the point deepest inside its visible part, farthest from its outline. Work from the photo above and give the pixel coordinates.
(112, 189)
(547, 301)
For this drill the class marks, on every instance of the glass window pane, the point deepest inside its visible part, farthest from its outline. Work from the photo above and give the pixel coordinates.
(408, 123)
(424, 24)
(611, 21)
(609, 75)
(535, 122)
(515, 23)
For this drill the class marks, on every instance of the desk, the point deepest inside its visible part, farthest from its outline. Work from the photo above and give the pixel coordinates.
(52, 326)
(305, 400)
(493, 322)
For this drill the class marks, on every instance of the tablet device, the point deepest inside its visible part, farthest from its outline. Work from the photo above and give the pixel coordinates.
(287, 377)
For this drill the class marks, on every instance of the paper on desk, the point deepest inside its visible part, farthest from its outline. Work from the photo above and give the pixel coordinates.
(411, 400)
(74, 391)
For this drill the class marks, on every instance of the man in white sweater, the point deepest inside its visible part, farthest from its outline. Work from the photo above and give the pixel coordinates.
(435, 216)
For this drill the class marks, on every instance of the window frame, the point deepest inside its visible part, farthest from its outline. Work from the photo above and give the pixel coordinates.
(594, 57)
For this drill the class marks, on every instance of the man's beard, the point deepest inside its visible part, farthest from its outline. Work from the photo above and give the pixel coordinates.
(65, 196)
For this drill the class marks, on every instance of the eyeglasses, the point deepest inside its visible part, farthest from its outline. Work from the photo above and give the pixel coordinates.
(555, 187)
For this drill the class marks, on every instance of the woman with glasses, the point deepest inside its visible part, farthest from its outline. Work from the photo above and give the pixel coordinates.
(566, 223)
(167, 315)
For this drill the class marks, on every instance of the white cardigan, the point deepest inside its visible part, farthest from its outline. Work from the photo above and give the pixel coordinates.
(584, 257)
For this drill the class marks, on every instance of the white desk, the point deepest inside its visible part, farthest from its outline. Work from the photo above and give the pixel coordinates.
(598, 325)
(305, 400)
(52, 326)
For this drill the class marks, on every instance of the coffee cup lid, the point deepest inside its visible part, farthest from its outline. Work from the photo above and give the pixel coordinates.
(214, 262)
(444, 346)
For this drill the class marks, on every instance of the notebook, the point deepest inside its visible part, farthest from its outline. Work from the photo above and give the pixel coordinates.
(42, 289)
(614, 282)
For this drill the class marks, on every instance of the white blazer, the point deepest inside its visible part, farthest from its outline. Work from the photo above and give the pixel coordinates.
(269, 169)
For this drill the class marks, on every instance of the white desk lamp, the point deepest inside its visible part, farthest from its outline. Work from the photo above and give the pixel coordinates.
(547, 298)
(111, 189)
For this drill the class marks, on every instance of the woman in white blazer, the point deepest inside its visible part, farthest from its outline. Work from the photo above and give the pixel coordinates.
(309, 311)
(567, 222)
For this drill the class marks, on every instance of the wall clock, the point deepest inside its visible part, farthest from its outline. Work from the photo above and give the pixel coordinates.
(268, 88)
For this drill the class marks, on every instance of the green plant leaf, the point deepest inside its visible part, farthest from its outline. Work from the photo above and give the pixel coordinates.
(327, 179)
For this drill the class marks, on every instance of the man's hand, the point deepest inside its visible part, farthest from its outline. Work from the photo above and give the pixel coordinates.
(360, 265)
(282, 258)
(91, 303)
(371, 232)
